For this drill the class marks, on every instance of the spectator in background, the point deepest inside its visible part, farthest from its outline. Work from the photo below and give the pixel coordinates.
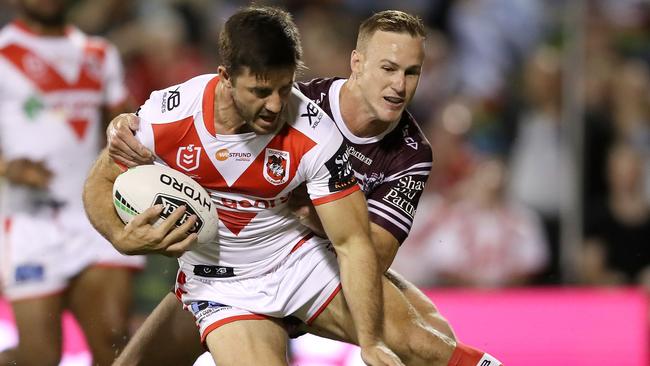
(540, 163)
(631, 111)
(55, 83)
(501, 241)
(617, 246)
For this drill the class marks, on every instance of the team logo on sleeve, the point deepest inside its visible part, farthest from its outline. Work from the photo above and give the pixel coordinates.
(341, 173)
(276, 166)
(187, 157)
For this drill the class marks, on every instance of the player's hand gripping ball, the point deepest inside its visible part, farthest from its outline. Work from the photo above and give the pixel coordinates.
(144, 186)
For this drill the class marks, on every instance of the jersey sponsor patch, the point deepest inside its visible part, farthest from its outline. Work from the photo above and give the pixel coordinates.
(403, 194)
(276, 166)
(342, 176)
(202, 309)
(29, 273)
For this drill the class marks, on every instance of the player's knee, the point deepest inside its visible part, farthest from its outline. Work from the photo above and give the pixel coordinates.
(418, 340)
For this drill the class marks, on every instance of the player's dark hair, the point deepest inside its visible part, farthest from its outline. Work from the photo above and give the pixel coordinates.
(390, 21)
(262, 39)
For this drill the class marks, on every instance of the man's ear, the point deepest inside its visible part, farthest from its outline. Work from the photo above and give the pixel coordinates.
(224, 76)
(356, 61)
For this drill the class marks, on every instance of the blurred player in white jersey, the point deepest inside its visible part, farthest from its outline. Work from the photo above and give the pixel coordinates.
(56, 83)
(390, 157)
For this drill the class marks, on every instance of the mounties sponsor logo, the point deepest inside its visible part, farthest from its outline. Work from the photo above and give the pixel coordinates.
(404, 194)
(170, 100)
(187, 157)
(314, 114)
(276, 166)
(170, 204)
(342, 175)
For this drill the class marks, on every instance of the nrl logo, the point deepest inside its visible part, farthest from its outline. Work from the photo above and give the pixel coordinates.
(187, 157)
(276, 166)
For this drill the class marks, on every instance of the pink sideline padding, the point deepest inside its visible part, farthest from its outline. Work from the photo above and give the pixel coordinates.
(539, 327)
(522, 327)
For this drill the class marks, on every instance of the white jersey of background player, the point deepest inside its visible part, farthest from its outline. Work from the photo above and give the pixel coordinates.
(250, 178)
(51, 98)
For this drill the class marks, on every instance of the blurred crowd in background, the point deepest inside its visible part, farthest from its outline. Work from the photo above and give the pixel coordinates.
(538, 113)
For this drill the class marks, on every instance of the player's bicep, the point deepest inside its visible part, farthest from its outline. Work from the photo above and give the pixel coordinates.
(344, 219)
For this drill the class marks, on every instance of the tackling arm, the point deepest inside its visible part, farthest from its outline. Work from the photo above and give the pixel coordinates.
(139, 236)
(346, 223)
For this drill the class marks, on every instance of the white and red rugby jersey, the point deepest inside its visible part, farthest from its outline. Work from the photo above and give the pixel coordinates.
(249, 176)
(51, 93)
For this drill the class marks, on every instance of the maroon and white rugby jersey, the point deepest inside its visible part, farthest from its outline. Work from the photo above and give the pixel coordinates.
(248, 176)
(392, 168)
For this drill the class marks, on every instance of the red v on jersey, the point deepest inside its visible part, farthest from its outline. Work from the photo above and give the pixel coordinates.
(43, 75)
(235, 221)
(79, 126)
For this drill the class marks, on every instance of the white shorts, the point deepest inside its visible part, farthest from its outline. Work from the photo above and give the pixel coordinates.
(40, 254)
(301, 286)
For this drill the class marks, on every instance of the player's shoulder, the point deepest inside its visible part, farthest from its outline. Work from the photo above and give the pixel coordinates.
(8, 34)
(177, 101)
(316, 89)
(411, 140)
(306, 116)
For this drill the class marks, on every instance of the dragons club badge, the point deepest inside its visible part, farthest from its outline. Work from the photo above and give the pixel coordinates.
(276, 166)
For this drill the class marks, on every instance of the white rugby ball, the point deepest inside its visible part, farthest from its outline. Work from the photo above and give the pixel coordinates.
(141, 187)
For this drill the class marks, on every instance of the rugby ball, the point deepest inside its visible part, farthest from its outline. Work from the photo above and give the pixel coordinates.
(144, 186)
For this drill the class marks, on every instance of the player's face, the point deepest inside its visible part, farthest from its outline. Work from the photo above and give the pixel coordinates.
(260, 101)
(46, 12)
(388, 72)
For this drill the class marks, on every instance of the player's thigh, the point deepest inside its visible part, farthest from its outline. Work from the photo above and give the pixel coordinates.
(421, 303)
(168, 336)
(249, 342)
(39, 330)
(101, 299)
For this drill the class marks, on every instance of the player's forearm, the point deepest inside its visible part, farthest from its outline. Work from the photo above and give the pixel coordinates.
(361, 281)
(98, 202)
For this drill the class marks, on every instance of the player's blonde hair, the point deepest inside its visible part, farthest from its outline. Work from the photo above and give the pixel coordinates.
(389, 21)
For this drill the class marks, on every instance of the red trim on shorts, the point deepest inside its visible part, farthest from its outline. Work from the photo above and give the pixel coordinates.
(225, 321)
(301, 242)
(208, 105)
(7, 225)
(335, 196)
(325, 304)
